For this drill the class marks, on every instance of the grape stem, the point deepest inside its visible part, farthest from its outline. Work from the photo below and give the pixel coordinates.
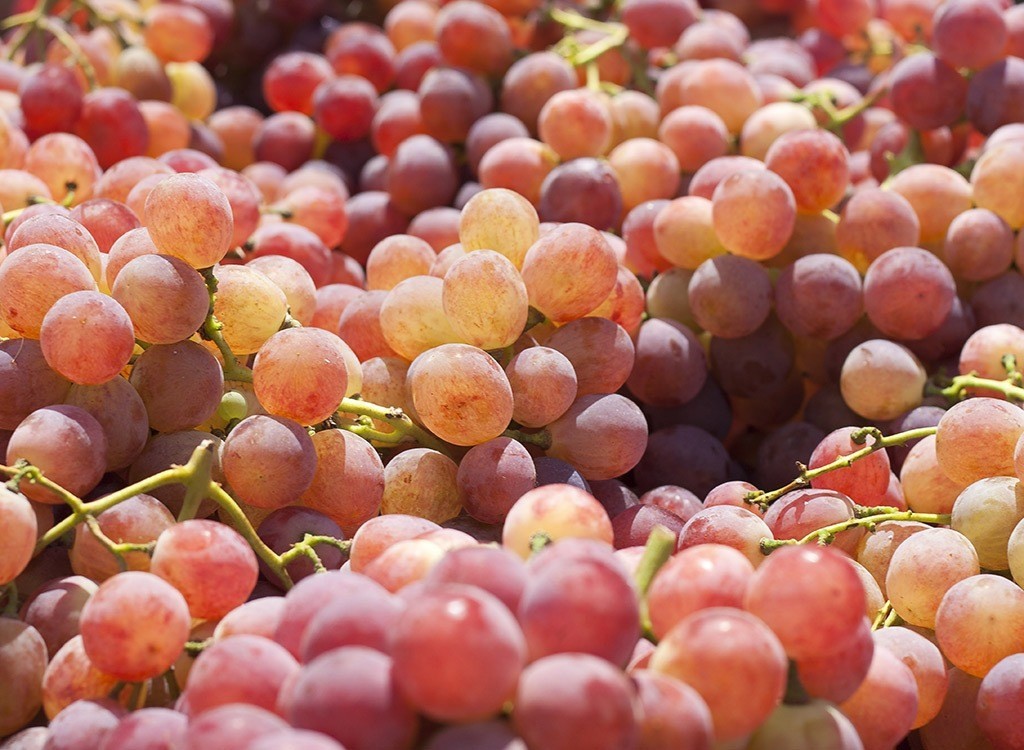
(661, 543)
(404, 428)
(764, 499)
(882, 616)
(826, 535)
(957, 389)
(117, 549)
(616, 35)
(541, 439)
(305, 549)
(213, 330)
(194, 475)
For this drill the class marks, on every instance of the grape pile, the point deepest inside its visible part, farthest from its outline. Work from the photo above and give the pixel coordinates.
(423, 375)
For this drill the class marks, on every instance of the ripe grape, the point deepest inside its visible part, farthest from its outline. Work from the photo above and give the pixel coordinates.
(135, 626)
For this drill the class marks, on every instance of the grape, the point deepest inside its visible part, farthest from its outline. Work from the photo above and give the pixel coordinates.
(881, 379)
(684, 234)
(837, 676)
(474, 36)
(287, 526)
(923, 568)
(233, 724)
(771, 121)
(978, 623)
(284, 138)
(67, 444)
(968, 34)
(518, 164)
(397, 258)
(460, 393)
(405, 563)
(486, 735)
(135, 626)
(646, 170)
(493, 569)
(294, 280)
(696, 135)
(603, 436)
(133, 244)
(489, 130)
(27, 381)
(70, 676)
(250, 306)
(698, 652)
(876, 549)
(485, 299)
(162, 370)
(889, 688)
(246, 669)
(291, 78)
(925, 661)
(715, 291)
(957, 723)
(819, 296)
(786, 593)
(979, 245)
(296, 242)
(255, 617)
(804, 727)
(451, 101)
(575, 123)
(294, 739)
(363, 618)
(421, 482)
(167, 128)
(33, 279)
(201, 236)
(300, 374)
(756, 365)
(986, 512)
(593, 706)
(18, 532)
(60, 159)
(84, 724)
(976, 438)
(982, 353)
(552, 272)
(54, 609)
(439, 227)
(927, 91)
(106, 220)
(61, 231)
(412, 318)
(331, 302)
(557, 511)
(500, 220)
(584, 191)
(724, 87)
(350, 694)
(552, 595)
(936, 193)
(147, 729)
(51, 100)
(345, 460)
(421, 175)
(138, 520)
(864, 480)
(210, 563)
(87, 357)
(925, 484)
(492, 476)
(753, 214)
(814, 164)
(998, 694)
(600, 351)
(993, 179)
(414, 62)
(269, 461)
(908, 292)
(544, 384)
(480, 643)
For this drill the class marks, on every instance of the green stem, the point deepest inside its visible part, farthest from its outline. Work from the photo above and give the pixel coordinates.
(117, 549)
(241, 523)
(196, 488)
(541, 439)
(661, 543)
(883, 613)
(405, 428)
(764, 499)
(956, 390)
(73, 47)
(827, 534)
(213, 330)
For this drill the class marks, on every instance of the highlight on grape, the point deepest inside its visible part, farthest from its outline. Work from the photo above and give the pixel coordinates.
(511, 375)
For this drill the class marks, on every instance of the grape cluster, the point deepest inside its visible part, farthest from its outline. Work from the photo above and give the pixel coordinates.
(508, 374)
